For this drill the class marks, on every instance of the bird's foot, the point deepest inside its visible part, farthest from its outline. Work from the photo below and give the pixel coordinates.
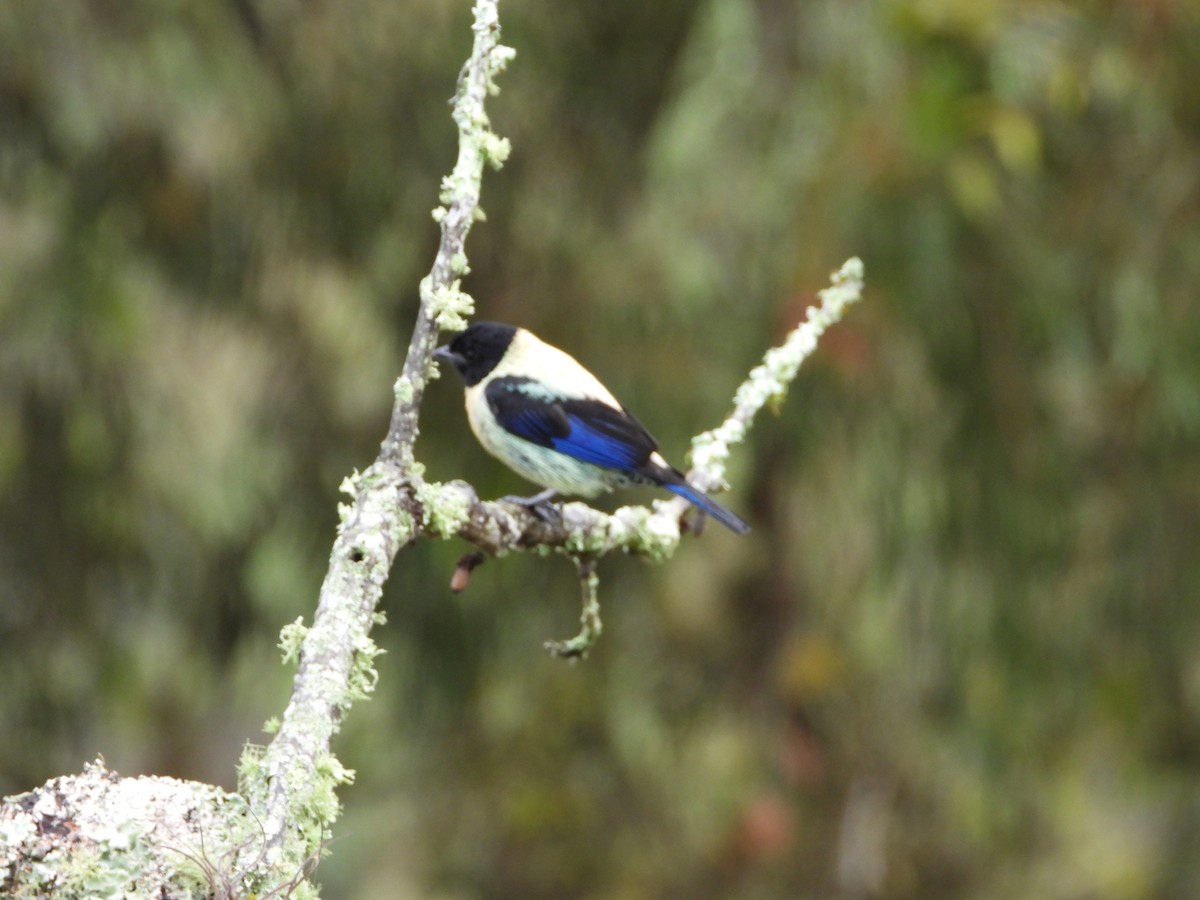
(539, 504)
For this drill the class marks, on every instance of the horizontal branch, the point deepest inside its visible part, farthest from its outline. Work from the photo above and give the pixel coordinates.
(497, 528)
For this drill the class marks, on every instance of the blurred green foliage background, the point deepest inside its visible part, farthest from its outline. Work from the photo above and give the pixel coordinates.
(959, 655)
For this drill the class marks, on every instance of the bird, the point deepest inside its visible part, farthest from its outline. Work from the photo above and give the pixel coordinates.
(550, 420)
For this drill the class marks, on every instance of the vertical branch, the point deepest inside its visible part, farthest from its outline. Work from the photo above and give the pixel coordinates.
(292, 783)
(443, 303)
(590, 625)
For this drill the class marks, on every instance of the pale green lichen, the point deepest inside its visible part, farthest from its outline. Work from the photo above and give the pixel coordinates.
(291, 637)
(350, 484)
(312, 806)
(130, 838)
(632, 529)
(710, 451)
(363, 674)
(590, 624)
(658, 537)
(449, 306)
(17, 830)
(322, 802)
(449, 191)
(479, 145)
(402, 390)
(447, 508)
(583, 540)
(404, 525)
(498, 61)
(292, 785)
(769, 381)
(251, 773)
(495, 149)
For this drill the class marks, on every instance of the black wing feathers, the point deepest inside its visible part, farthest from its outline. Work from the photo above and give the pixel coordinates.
(588, 430)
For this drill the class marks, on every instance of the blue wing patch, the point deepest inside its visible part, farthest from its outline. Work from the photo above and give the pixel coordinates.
(587, 430)
(591, 441)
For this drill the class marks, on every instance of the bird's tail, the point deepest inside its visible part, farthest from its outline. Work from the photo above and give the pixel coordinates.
(701, 500)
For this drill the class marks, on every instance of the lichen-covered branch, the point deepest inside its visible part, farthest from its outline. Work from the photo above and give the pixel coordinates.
(270, 835)
(454, 510)
(99, 835)
(496, 528)
(589, 616)
(291, 784)
(444, 305)
(769, 381)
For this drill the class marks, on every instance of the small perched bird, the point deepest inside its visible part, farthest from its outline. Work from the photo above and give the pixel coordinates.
(546, 417)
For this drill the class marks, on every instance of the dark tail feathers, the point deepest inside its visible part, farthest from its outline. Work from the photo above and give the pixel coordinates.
(702, 501)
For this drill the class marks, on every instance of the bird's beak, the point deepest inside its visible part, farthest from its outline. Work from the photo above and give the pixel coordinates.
(446, 355)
